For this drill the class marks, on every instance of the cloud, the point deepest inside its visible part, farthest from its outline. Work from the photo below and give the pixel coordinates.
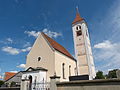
(1, 77)
(26, 49)
(14, 51)
(11, 50)
(107, 33)
(21, 66)
(14, 71)
(9, 40)
(107, 55)
(105, 45)
(46, 31)
(27, 44)
(32, 33)
(51, 33)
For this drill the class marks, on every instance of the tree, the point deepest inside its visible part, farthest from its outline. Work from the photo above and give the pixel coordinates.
(13, 84)
(112, 74)
(99, 75)
(1, 83)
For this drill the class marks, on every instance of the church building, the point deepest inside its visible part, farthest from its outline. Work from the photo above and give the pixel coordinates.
(53, 57)
(50, 58)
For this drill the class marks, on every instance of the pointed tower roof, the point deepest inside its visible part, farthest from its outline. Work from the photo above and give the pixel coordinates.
(78, 18)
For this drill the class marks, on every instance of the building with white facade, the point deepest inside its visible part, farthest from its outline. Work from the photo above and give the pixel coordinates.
(53, 59)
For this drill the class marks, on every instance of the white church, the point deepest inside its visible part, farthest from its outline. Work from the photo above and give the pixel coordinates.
(48, 58)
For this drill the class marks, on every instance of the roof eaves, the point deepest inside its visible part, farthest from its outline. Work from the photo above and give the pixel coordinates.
(12, 76)
(47, 41)
(66, 55)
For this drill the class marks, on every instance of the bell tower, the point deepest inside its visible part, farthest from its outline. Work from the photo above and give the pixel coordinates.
(83, 52)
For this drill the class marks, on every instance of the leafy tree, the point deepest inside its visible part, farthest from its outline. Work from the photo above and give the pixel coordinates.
(13, 84)
(99, 75)
(1, 82)
(112, 74)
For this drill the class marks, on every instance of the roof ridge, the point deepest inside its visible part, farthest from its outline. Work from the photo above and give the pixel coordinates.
(57, 46)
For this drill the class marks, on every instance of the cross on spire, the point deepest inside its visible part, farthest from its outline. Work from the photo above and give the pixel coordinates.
(77, 9)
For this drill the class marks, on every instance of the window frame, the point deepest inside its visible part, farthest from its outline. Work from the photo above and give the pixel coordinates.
(39, 58)
(63, 70)
(79, 33)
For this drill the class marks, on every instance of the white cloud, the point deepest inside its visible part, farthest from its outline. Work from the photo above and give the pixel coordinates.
(51, 33)
(26, 49)
(32, 33)
(21, 66)
(14, 71)
(14, 51)
(11, 50)
(9, 40)
(46, 31)
(107, 55)
(1, 77)
(27, 44)
(105, 45)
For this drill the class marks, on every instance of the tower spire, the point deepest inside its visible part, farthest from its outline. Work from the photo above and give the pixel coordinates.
(77, 9)
(78, 18)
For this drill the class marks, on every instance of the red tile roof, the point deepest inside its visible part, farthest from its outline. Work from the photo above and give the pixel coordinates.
(78, 18)
(8, 75)
(57, 46)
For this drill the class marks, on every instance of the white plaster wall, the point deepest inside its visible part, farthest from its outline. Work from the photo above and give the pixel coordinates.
(84, 59)
(43, 50)
(59, 60)
(38, 75)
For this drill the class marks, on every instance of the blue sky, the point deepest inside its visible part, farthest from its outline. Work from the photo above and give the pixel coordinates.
(22, 20)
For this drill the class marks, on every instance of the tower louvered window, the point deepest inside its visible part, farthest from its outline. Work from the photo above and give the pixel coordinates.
(79, 33)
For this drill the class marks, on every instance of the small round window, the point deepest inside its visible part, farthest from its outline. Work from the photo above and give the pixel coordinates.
(39, 58)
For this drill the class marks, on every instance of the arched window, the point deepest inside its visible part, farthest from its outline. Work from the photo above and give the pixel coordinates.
(30, 82)
(63, 70)
(79, 33)
(78, 27)
(39, 58)
(69, 70)
(75, 70)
